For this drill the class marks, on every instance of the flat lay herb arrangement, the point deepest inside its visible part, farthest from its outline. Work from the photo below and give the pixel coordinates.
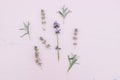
(72, 58)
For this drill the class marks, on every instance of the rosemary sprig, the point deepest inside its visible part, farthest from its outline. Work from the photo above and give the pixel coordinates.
(37, 59)
(64, 12)
(57, 32)
(72, 60)
(26, 29)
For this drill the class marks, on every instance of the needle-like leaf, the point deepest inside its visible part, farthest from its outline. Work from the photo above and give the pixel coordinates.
(72, 60)
(64, 12)
(26, 29)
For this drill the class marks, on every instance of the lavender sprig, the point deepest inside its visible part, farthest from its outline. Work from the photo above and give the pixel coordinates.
(26, 29)
(37, 59)
(57, 32)
(43, 17)
(75, 36)
(72, 60)
(64, 12)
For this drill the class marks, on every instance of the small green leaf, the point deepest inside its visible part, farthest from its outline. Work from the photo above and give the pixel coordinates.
(64, 12)
(24, 35)
(60, 13)
(72, 60)
(26, 29)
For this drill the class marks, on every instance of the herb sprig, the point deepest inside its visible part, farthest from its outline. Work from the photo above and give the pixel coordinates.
(37, 59)
(47, 45)
(26, 29)
(72, 61)
(64, 12)
(43, 18)
(75, 36)
(57, 32)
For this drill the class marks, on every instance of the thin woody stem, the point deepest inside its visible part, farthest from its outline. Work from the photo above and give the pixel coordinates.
(58, 47)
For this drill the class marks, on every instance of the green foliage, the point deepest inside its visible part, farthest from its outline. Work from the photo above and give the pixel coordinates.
(72, 60)
(64, 12)
(26, 29)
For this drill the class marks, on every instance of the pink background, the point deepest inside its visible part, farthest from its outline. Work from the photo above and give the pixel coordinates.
(98, 22)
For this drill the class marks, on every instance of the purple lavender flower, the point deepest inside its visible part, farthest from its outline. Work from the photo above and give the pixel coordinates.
(57, 31)
(56, 24)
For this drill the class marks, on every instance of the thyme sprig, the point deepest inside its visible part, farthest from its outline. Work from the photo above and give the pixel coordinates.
(44, 42)
(43, 18)
(73, 58)
(75, 36)
(64, 12)
(37, 59)
(26, 29)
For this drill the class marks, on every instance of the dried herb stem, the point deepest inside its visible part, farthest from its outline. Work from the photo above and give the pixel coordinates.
(75, 38)
(37, 57)
(43, 18)
(64, 12)
(58, 47)
(44, 42)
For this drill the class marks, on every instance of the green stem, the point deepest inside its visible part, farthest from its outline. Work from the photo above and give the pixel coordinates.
(58, 53)
(73, 62)
(29, 34)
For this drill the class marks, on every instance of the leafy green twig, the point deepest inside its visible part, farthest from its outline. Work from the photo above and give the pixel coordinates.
(64, 12)
(26, 29)
(72, 60)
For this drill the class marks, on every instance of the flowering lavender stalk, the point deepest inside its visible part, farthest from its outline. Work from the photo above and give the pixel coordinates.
(57, 32)
(72, 60)
(26, 29)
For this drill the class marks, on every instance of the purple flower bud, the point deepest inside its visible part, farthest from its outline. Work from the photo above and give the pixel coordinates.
(57, 31)
(56, 24)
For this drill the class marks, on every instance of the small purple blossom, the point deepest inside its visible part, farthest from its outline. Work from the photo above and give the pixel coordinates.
(57, 31)
(56, 24)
